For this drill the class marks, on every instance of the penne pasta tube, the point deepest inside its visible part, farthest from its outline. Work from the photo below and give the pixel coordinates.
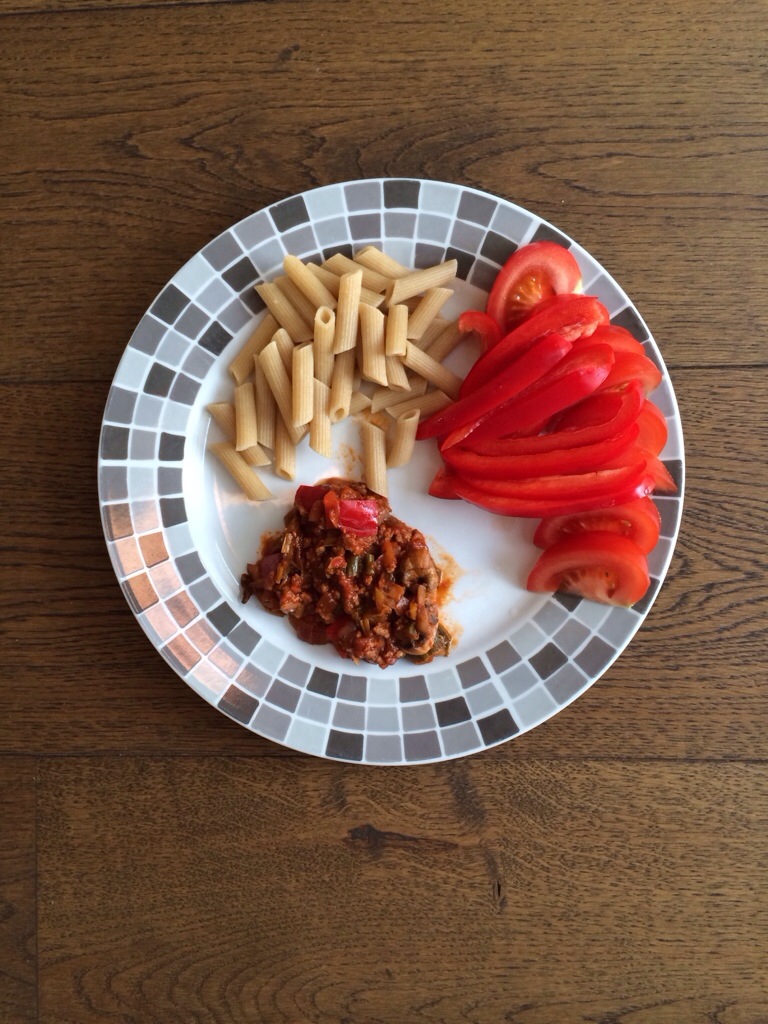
(241, 366)
(397, 378)
(314, 290)
(324, 329)
(383, 398)
(374, 457)
(302, 376)
(285, 347)
(419, 281)
(285, 313)
(299, 301)
(426, 311)
(341, 264)
(280, 385)
(359, 402)
(432, 371)
(320, 426)
(249, 483)
(432, 401)
(404, 438)
(331, 282)
(374, 362)
(397, 330)
(448, 339)
(285, 451)
(434, 330)
(347, 312)
(377, 260)
(341, 384)
(246, 434)
(266, 410)
(223, 413)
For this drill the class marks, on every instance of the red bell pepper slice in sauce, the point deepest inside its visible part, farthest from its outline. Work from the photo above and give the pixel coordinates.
(358, 516)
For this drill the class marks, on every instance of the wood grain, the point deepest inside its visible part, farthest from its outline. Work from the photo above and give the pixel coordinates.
(18, 885)
(607, 867)
(302, 891)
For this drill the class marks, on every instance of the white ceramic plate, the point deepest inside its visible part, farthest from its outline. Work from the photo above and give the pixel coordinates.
(179, 533)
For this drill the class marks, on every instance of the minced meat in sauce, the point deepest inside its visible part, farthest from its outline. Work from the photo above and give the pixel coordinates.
(347, 572)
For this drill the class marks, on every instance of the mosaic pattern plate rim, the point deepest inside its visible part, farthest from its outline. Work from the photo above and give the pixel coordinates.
(354, 714)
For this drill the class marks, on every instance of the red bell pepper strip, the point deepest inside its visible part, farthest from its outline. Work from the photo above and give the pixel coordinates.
(653, 428)
(563, 485)
(442, 485)
(617, 337)
(629, 366)
(574, 377)
(662, 478)
(488, 330)
(584, 459)
(358, 516)
(511, 381)
(620, 410)
(569, 315)
(538, 507)
(308, 494)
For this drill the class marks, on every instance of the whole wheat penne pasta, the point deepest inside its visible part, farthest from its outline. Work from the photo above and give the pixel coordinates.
(404, 438)
(331, 282)
(299, 301)
(341, 265)
(377, 260)
(374, 361)
(434, 330)
(347, 312)
(341, 384)
(383, 398)
(397, 378)
(448, 339)
(266, 409)
(285, 347)
(285, 451)
(301, 384)
(241, 366)
(320, 425)
(374, 457)
(324, 329)
(397, 330)
(359, 402)
(246, 429)
(285, 313)
(249, 483)
(307, 283)
(432, 371)
(280, 385)
(432, 401)
(433, 301)
(224, 414)
(419, 281)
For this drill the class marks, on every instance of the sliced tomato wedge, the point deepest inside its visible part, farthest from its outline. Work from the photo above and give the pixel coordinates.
(653, 428)
(597, 565)
(571, 316)
(532, 273)
(473, 321)
(639, 520)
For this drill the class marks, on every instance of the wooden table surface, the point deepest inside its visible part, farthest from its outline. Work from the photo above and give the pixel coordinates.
(159, 863)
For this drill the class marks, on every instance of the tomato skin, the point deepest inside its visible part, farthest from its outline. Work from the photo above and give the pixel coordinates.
(532, 273)
(639, 520)
(572, 316)
(511, 381)
(597, 565)
(488, 329)
(653, 428)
